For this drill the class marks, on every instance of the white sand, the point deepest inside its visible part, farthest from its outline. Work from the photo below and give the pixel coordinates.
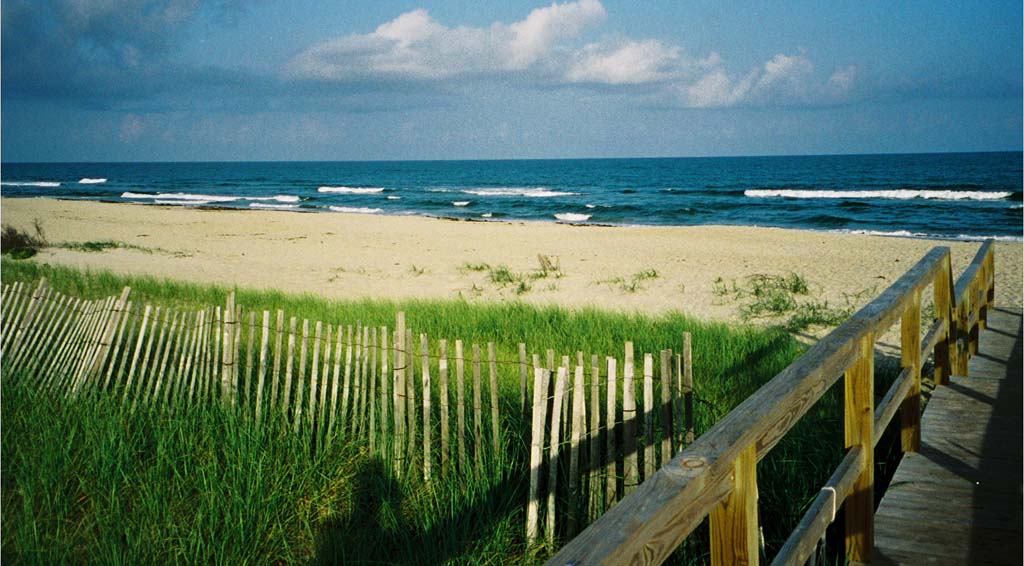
(353, 255)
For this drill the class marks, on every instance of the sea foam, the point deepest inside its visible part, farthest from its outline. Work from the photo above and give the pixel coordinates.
(535, 192)
(901, 194)
(460, 203)
(351, 190)
(572, 217)
(356, 209)
(206, 198)
(88, 181)
(30, 184)
(273, 206)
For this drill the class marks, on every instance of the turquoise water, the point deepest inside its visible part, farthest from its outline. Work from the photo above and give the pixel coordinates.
(959, 196)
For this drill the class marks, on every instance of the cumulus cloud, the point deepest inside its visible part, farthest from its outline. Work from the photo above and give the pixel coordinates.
(415, 46)
(545, 49)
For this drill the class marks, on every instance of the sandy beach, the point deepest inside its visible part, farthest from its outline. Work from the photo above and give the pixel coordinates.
(357, 256)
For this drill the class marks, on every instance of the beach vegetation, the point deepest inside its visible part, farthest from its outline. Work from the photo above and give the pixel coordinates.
(417, 271)
(632, 284)
(784, 298)
(88, 482)
(102, 245)
(19, 244)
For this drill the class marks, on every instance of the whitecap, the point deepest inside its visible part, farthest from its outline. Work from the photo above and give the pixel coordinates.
(356, 209)
(460, 203)
(572, 217)
(207, 198)
(273, 206)
(393, 197)
(535, 192)
(487, 214)
(88, 181)
(900, 194)
(591, 206)
(351, 190)
(49, 184)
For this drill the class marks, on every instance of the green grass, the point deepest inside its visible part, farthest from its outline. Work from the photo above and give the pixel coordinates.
(83, 482)
(786, 298)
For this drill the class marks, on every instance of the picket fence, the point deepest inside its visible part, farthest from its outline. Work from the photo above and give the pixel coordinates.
(590, 441)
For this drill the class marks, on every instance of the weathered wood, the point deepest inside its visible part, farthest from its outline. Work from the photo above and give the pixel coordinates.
(859, 387)
(385, 391)
(216, 334)
(175, 385)
(26, 321)
(314, 378)
(666, 408)
(579, 420)
(121, 338)
(631, 472)
(425, 373)
(802, 542)
(931, 338)
(555, 445)
(733, 522)
(14, 309)
(539, 416)
(649, 413)
(347, 384)
(890, 404)
(81, 361)
(611, 432)
(364, 378)
(293, 325)
(134, 395)
(399, 342)
(44, 366)
(594, 463)
(300, 384)
(442, 369)
(355, 422)
(687, 388)
(250, 354)
(910, 354)
(492, 372)
(196, 371)
(264, 351)
(943, 300)
(275, 365)
(228, 386)
(161, 373)
(371, 399)
(478, 415)
(325, 373)
(107, 339)
(410, 391)
(523, 371)
(335, 382)
(45, 320)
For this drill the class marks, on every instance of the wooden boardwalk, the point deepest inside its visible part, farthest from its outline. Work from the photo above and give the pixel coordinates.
(958, 501)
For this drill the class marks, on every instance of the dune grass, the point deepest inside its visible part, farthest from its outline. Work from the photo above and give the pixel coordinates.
(83, 482)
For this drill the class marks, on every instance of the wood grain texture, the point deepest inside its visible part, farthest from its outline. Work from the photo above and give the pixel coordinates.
(733, 522)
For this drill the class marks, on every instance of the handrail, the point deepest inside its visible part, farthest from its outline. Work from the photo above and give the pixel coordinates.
(716, 474)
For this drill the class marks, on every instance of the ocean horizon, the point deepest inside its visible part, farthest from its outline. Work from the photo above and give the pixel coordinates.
(958, 196)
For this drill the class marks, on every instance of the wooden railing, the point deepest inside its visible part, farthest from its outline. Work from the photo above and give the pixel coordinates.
(716, 475)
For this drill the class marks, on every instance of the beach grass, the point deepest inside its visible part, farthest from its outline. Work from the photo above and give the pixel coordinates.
(85, 482)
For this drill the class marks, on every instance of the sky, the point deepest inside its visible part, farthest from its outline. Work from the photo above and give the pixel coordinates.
(187, 80)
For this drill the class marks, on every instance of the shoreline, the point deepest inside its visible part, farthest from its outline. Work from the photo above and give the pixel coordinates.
(399, 257)
(259, 207)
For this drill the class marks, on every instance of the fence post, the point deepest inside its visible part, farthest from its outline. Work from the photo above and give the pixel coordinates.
(733, 522)
(942, 287)
(910, 349)
(540, 403)
(859, 384)
(228, 384)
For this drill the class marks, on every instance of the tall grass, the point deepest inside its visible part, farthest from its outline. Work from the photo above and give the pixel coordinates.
(86, 482)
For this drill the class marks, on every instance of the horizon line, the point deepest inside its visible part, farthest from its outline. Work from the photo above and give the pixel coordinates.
(750, 156)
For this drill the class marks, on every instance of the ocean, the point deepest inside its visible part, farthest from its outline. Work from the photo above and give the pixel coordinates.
(963, 196)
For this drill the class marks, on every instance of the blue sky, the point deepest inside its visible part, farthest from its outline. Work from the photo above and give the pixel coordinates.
(168, 80)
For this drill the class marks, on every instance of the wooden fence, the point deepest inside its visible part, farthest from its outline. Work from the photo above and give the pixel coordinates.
(394, 391)
(716, 475)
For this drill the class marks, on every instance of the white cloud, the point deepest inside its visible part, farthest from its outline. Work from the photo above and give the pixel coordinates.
(545, 48)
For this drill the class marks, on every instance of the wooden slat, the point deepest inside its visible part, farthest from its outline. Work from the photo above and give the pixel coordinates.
(649, 464)
(733, 522)
(801, 543)
(425, 373)
(442, 364)
(579, 419)
(478, 411)
(890, 404)
(630, 471)
(264, 359)
(492, 373)
(611, 428)
(540, 403)
(300, 381)
(859, 387)
(314, 378)
(554, 453)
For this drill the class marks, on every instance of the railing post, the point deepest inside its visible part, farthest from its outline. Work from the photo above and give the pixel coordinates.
(228, 384)
(943, 288)
(859, 385)
(733, 522)
(910, 351)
